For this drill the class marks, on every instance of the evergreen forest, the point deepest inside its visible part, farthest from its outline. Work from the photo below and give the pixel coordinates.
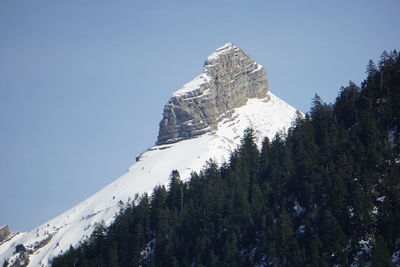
(326, 193)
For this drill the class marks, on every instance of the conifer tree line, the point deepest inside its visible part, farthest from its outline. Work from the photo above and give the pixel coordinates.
(327, 193)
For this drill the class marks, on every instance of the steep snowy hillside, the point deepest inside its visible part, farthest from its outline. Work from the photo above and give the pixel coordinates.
(265, 113)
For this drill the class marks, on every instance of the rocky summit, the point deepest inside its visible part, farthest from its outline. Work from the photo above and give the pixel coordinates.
(229, 78)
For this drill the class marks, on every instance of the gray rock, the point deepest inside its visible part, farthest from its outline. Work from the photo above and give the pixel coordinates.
(4, 232)
(229, 78)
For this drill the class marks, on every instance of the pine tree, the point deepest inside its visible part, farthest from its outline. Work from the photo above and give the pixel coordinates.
(371, 68)
(175, 192)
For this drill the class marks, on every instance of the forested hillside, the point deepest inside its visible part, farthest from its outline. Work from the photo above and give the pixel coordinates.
(326, 193)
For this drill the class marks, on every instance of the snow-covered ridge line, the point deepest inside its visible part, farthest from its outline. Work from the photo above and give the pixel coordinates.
(266, 116)
(194, 84)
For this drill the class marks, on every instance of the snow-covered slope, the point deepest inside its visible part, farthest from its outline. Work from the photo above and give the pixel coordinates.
(266, 116)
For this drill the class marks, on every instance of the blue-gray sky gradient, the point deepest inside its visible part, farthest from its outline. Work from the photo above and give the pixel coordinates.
(83, 83)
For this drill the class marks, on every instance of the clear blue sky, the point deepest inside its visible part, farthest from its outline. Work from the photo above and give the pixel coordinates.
(83, 83)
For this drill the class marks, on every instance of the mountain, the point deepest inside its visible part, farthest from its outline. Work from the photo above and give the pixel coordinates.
(326, 193)
(203, 120)
(229, 79)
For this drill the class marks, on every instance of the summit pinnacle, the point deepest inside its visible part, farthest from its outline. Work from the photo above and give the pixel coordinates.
(229, 78)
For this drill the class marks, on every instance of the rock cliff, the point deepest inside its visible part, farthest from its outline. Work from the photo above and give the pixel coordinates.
(229, 78)
(4, 232)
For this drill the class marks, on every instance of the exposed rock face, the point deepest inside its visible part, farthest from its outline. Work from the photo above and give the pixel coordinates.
(229, 78)
(4, 232)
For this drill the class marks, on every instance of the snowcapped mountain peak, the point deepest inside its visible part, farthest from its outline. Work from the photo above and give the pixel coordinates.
(230, 77)
(230, 95)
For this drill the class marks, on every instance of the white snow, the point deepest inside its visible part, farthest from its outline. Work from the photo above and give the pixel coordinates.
(221, 50)
(375, 210)
(351, 211)
(381, 199)
(301, 229)
(365, 245)
(259, 67)
(266, 117)
(298, 209)
(396, 257)
(194, 84)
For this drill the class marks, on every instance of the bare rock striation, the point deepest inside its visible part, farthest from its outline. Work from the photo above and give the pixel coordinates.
(229, 78)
